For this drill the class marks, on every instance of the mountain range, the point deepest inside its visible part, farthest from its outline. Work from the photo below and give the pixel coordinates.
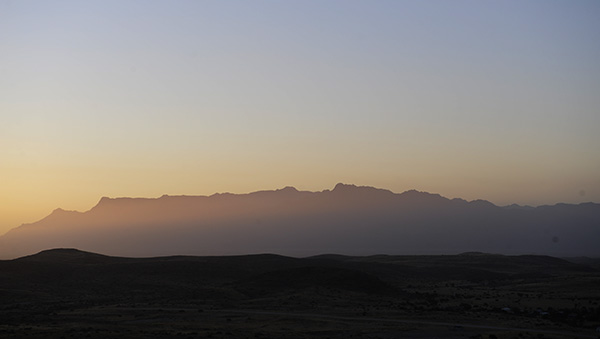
(352, 220)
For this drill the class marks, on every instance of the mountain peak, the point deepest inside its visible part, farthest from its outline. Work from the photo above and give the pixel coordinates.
(59, 214)
(341, 187)
(64, 255)
(290, 189)
(482, 203)
(413, 193)
(518, 207)
(104, 201)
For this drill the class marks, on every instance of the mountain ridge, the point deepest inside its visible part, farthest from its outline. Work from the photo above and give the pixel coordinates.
(338, 188)
(348, 219)
(105, 200)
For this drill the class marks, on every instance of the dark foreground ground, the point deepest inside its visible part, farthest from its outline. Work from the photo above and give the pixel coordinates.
(73, 294)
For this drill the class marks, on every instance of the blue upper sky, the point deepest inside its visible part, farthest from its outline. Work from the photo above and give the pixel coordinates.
(497, 100)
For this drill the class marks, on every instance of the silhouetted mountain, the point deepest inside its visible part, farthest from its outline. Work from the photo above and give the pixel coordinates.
(348, 219)
(67, 255)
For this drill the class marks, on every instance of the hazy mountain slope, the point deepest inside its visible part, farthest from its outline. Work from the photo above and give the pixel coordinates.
(348, 220)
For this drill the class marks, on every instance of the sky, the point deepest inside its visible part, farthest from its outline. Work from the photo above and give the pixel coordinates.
(495, 100)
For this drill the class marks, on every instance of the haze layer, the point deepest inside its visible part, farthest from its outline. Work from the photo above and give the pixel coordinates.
(345, 220)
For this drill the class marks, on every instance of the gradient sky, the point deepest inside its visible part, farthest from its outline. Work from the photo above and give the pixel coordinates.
(498, 100)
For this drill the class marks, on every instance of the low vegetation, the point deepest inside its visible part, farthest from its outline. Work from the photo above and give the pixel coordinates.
(66, 293)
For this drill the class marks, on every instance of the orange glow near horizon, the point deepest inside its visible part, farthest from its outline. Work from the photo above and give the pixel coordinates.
(194, 98)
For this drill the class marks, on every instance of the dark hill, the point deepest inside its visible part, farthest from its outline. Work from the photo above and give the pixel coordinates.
(67, 272)
(69, 255)
(76, 294)
(309, 277)
(467, 266)
(67, 293)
